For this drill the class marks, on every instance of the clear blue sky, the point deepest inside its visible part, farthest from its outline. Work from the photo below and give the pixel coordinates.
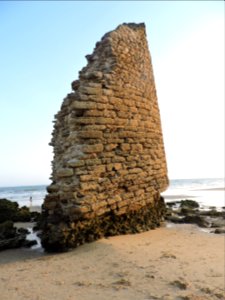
(43, 47)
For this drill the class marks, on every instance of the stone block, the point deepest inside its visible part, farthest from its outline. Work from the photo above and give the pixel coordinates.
(93, 75)
(88, 186)
(90, 90)
(83, 105)
(135, 170)
(88, 178)
(93, 148)
(110, 147)
(105, 121)
(125, 147)
(65, 172)
(93, 113)
(99, 169)
(91, 134)
(93, 162)
(74, 163)
(85, 120)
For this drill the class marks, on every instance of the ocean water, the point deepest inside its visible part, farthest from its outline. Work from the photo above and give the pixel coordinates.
(22, 194)
(208, 192)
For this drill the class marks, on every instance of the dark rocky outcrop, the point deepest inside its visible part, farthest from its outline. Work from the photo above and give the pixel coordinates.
(219, 230)
(187, 212)
(189, 204)
(109, 164)
(11, 236)
(10, 211)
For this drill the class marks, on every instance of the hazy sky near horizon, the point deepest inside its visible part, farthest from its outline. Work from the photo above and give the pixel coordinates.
(43, 47)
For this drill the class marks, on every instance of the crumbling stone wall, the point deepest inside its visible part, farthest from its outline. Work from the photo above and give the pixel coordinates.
(109, 163)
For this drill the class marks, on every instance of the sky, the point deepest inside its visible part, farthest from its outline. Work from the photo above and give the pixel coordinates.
(43, 47)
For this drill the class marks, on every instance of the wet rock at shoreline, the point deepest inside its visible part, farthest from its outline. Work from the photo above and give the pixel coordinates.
(196, 219)
(10, 211)
(189, 204)
(11, 236)
(187, 212)
(219, 231)
(29, 243)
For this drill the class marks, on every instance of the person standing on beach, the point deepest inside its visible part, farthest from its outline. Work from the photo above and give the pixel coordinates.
(30, 201)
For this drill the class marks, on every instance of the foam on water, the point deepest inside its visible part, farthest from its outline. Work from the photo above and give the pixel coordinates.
(22, 194)
(208, 192)
(34, 236)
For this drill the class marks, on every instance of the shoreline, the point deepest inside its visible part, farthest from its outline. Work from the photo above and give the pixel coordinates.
(172, 262)
(211, 189)
(23, 253)
(168, 263)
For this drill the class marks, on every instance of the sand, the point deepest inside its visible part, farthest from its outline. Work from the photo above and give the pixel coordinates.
(180, 262)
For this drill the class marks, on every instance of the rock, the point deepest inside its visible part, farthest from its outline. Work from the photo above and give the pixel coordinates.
(94, 148)
(52, 188)
(213, 213)
(75, 85)
(187, 215)
(65, 172)
(37, 227)
(181, 284)
(23, 215)
(219, 231)
(90, 90)
(10, 237)
(8, 210)
(80, 105)
(93, 75)
(189, 204)
(15, 242)
(196, 219)
(7, 230)
(28, 243)
(218, 223)
(35, 216)
(175, 219)
(172, 203)
(23, 231)
(187, 211)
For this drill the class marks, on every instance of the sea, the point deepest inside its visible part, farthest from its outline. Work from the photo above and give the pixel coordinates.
(208, 192)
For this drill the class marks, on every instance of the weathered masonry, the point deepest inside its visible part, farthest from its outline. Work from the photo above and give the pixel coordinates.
(109, 163)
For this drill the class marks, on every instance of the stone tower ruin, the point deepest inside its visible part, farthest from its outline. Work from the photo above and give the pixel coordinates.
(109, 163)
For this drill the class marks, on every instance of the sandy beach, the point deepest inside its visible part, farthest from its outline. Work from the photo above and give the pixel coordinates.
(179, 262)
